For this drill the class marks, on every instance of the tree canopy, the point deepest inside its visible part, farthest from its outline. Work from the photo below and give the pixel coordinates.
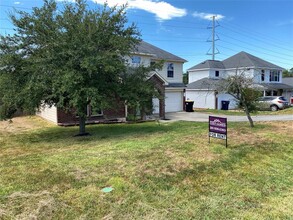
(242, 88)
(69, 57)
(288, 73)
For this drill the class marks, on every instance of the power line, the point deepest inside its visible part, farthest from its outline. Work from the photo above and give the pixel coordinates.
(266, 59)
(10, 6)
(262, 40)
(257, 46)
(252, 33)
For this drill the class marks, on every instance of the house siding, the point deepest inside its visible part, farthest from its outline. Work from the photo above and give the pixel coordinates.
(48, 113)
(197, 75)
(201, 98)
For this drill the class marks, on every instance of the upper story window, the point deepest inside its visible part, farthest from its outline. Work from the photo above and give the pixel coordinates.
(262, 75)
(217, 73)
(136, 59)
(275, 76)
(170, 70)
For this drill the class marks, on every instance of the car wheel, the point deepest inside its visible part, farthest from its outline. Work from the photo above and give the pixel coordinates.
(274, 108)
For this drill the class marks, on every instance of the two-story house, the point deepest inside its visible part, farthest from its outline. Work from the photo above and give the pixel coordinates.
(206, 77)
(168, 82)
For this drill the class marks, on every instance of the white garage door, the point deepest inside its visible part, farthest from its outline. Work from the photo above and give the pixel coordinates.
(174, 102)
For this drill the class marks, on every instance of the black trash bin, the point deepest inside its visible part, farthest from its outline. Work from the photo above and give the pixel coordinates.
(225, 105)
(189, 106)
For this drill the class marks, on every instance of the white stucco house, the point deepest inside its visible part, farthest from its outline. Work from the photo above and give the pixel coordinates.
(205, 78)
(168, 81)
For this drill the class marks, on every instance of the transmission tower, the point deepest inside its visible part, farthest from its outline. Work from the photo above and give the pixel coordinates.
(214, 38)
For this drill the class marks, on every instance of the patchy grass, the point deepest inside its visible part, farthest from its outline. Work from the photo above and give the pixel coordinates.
(158, 171)
(287, 111)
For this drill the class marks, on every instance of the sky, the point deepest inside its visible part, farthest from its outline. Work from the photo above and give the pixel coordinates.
(263, 28)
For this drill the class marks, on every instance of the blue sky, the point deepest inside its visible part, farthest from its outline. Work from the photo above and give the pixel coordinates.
(263, 28)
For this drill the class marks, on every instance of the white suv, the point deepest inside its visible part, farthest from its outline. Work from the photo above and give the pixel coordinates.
(273, 103)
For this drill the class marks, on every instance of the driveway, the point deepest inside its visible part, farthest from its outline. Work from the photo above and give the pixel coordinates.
(196, 116)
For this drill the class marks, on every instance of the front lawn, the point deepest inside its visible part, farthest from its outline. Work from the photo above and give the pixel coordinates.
(157, 171)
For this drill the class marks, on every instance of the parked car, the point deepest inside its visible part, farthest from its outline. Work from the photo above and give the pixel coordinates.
(273, 103)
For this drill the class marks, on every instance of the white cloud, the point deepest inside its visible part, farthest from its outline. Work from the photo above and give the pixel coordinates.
(16, 3)
(162, 10)
(207, 16)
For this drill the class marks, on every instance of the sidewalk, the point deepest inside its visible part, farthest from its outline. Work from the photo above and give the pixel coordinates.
(203, 117)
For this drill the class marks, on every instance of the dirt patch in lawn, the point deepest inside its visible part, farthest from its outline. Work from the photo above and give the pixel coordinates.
(23, 205)
(21, 124)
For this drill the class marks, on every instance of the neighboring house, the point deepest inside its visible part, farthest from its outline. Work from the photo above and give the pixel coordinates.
(289, 81)
(205, 78)
(168, 82)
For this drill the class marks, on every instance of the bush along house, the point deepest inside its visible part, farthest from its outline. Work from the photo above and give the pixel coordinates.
(206, 77)
(168, 82)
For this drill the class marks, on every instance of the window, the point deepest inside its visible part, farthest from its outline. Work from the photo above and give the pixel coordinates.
(136, 59)
(217, 73)
(262, 75)
(274, 76)
(94, 111)
(170, 70)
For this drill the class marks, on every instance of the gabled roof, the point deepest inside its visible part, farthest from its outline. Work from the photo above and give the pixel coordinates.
(157, 53)
(244, 59)
(209, 64)
(239, 60)
(206, 84)
(276, 86)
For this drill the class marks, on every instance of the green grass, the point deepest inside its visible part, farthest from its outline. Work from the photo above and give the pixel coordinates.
(287, 111)
(158, 171)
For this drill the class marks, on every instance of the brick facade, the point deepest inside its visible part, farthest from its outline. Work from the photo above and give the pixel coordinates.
(159, 85)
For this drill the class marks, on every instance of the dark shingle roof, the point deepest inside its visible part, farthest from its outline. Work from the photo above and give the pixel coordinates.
(206, 83)
(214, 84)
(209, 64)
(146, 48)
(244, 59)
(288, 80)
(239, 60)
(276, 86)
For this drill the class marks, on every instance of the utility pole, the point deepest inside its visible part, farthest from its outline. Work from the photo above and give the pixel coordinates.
(213, 38)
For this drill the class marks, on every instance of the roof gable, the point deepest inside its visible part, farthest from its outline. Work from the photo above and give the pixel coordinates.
(244, 59)
(209, 64)
(239, 60)
(155, 52)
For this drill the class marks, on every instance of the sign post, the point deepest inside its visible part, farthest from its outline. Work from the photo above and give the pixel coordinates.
(218, 128)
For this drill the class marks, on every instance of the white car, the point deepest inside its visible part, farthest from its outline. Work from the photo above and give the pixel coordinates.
(273, 103)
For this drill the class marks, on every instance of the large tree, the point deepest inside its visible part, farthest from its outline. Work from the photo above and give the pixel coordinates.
(243, 89)
(137, 88)
(69, 57)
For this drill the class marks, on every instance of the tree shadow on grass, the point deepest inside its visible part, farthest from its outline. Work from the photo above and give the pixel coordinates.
(55, 135)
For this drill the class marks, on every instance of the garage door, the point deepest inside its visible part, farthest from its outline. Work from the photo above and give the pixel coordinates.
(173, 102)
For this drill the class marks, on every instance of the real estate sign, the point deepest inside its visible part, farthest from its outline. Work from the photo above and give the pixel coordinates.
(218, 128)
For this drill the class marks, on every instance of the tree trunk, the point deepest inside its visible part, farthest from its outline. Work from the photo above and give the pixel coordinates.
(82, 127)
(143, 114)
(249, 117)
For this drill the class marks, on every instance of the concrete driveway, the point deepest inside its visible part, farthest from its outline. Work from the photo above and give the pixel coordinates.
(197, 116)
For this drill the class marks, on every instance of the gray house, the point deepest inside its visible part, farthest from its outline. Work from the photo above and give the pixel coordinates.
(206, 76)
